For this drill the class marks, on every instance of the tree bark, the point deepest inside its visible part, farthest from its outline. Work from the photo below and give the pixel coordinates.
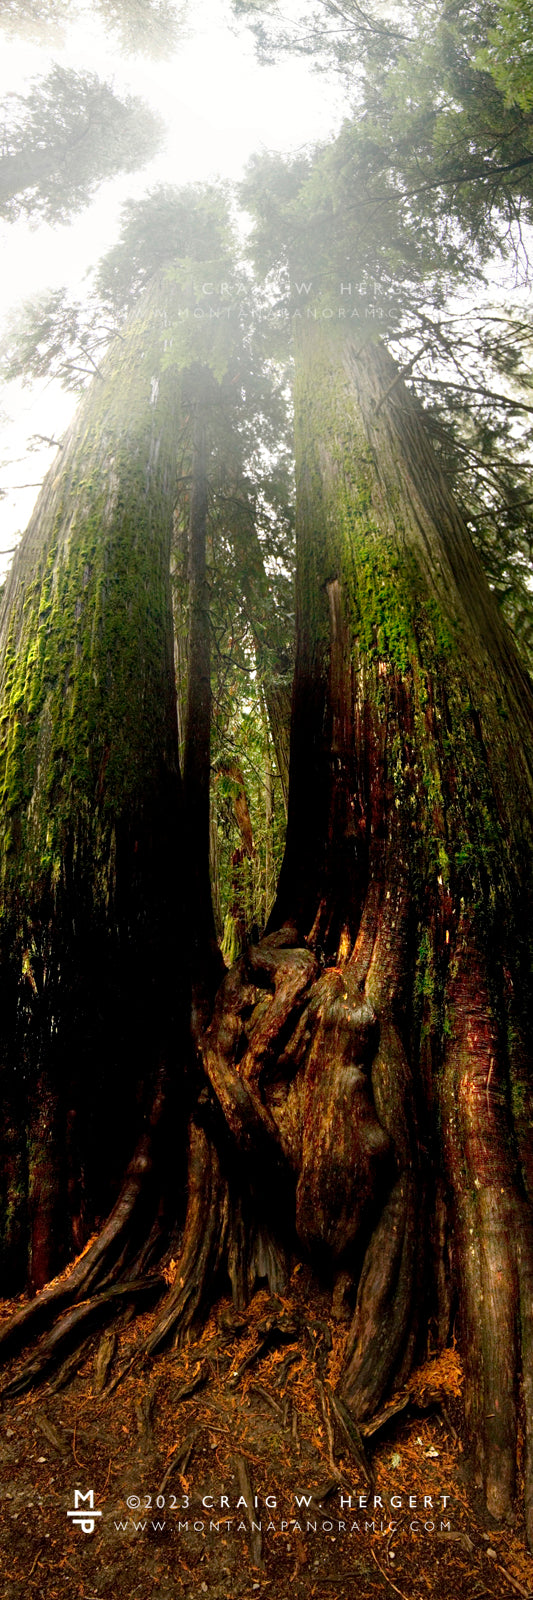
(369, 1057)
(204, 957)
(408, 871)
(91, 804)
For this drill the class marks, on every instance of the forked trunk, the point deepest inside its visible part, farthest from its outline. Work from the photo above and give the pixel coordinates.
(367, 1087)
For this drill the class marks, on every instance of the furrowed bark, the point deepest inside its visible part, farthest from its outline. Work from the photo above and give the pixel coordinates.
(483, 1173)
(408, 869)
(89, 824)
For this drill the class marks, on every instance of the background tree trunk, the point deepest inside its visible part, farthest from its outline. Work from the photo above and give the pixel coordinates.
(206, 963)
(90, 818)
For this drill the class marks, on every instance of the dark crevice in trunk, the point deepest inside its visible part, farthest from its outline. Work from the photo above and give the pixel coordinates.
(205, 960)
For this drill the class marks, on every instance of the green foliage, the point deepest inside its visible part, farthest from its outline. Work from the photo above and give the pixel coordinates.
(167, 226)
(508, 54)
(63, 138)
(406, 210)
(250, 556)
(333, 35)
(39, 20)
(147, 27)
(52, 336)
(434, 158)
(144, 27)
(244, 881)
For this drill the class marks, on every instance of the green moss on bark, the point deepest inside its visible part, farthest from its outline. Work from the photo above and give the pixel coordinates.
(86, 694)
(89, 781)
(420, 624)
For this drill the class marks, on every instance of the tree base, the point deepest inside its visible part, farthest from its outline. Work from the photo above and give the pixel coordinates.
(304, 1144)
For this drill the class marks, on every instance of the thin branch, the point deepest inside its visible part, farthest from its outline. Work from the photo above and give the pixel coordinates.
(404, 372)
(497, 399)
(442, 182)
(385, 1575)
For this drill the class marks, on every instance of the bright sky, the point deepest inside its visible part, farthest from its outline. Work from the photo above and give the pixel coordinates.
(218, 106)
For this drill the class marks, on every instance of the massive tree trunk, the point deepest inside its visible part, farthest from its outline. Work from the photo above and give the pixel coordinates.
(383, 1093)
(408, 867)
(408, 871)
(89, 819)
(366, 1090)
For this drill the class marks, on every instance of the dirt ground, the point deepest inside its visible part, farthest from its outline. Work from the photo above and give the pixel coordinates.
(200, 1467)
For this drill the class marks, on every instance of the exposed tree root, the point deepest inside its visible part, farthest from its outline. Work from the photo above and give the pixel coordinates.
(245, 1489)
(181, 1459)
(122, 1234)
(105, 1356)
(203, 1244)
(309, 1135)
(75, 1324)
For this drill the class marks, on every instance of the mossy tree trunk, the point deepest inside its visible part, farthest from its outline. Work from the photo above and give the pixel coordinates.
(380, 1099)
(366, 1098)
(408, 872)
(90, 820)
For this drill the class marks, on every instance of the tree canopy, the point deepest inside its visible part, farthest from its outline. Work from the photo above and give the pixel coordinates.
(63, 138)
(406, 219)
(150, 27)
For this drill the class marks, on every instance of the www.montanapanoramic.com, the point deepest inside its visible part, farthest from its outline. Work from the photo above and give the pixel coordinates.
(354, 1514)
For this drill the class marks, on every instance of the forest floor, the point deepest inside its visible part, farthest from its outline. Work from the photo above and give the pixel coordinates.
(240, 1415)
